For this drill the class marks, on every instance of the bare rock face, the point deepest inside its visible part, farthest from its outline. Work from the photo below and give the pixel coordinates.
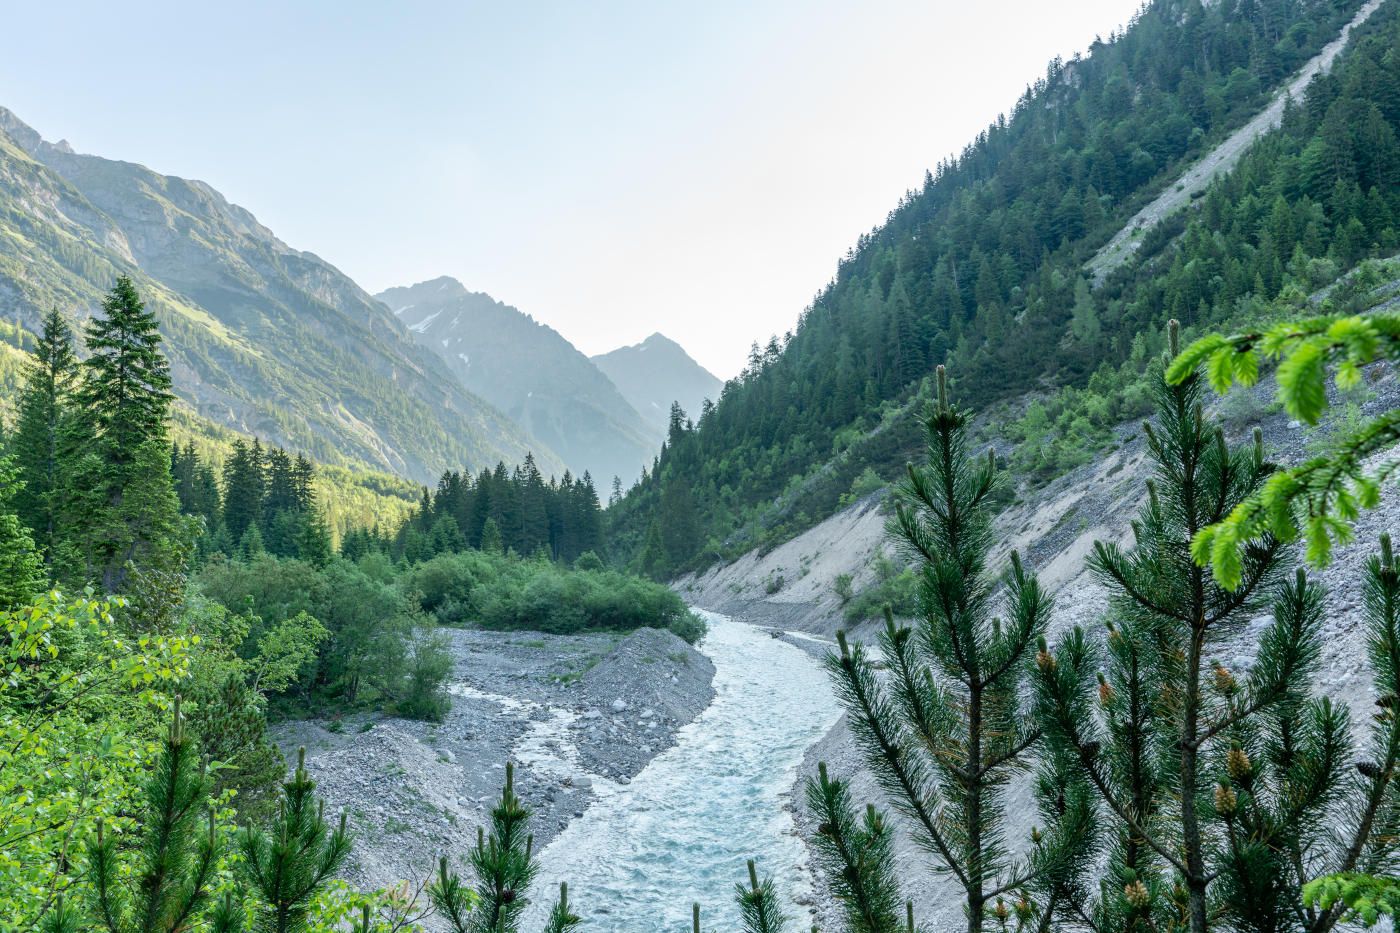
(532, 373)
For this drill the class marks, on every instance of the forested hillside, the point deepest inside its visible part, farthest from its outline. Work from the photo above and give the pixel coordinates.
(983, 267)
(262, 338)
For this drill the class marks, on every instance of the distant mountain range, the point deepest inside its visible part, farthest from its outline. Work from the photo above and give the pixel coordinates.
(270, 340)
(576, 406)
(262, 337)
(656, 372)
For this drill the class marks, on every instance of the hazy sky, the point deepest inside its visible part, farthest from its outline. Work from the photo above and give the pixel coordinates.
(611, 168)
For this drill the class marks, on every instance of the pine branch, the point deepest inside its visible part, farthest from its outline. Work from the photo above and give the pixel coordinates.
(758, 905)
(561, 918)
(872, 723)
(858, 860)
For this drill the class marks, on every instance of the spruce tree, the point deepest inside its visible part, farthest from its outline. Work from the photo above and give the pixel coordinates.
(1221, 790)
(126, 386)
(21, 570)
(45, 404)
(243, 488)
(121, 505)
(944, 732)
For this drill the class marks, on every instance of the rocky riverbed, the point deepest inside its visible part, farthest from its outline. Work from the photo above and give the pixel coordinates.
(573, 712)
(1053, 527)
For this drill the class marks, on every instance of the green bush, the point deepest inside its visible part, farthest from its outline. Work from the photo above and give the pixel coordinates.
(843, 586)
(689, 627)
(893, 587)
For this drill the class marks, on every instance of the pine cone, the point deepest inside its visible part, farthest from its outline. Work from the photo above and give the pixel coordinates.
(1136, 894)
(1045, 661)
(1368, 769)
(1238, 764)
(1225, 681)
(1225, 799)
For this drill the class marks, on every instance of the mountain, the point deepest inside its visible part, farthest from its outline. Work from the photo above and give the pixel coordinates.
(262, 338)
(990, 266)
(653, 374)
(530, 372)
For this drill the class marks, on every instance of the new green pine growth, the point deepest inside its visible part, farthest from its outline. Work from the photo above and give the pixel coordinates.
(168, 881)
(561, 918)
(857, 856)
(503, 865)
(758, 904)
(1319, 499)
(1220, 790)
(286, 865)
(944, 731)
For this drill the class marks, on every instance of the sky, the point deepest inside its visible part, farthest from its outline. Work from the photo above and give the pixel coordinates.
(611, 168)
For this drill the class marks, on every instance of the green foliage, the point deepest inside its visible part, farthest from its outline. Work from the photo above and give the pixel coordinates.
(894, 587)
(78, 713)
(503, 865)
(177, 861)
(285, 866)
(1319, 499)
(45, 406)
(1363, 898)
(758, 905)
(982, 267)
(367, 625)
(844, 587)
(856, 855)
(505, 511)
(942, 732)
(21, 571)
(1219, 791)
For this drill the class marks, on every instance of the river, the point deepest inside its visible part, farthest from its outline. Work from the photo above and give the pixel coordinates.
(682, 829)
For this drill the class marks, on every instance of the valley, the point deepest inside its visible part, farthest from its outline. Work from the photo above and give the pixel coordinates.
(1038, 576)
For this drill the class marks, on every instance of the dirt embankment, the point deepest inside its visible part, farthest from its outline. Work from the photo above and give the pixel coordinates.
(575, 713)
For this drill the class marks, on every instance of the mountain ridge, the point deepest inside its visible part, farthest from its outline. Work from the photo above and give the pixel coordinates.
(531, 372)
(654, 373)
(263, 338)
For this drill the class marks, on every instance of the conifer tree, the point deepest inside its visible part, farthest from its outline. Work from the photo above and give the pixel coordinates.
(169, 882)
(285, 866)
(758, 905)
(120, 503)
(1221, 791)
(503, 867)
(856, 855)
(944, 732)
(243, 488)
(45, 404)
(491, 541)
(126, 386)
(21, 570)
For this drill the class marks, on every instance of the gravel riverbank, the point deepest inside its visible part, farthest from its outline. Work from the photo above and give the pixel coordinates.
(570, 711)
